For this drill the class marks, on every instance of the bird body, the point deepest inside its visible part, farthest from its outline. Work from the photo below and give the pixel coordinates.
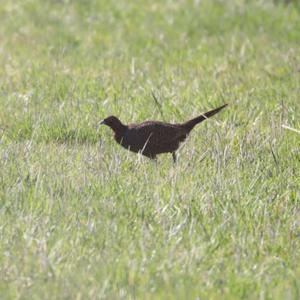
(151, 138)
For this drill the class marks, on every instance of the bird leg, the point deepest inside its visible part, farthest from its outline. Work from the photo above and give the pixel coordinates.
(174, 157)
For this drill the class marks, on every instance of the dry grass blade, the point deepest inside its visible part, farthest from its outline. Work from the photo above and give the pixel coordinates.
(290, 128)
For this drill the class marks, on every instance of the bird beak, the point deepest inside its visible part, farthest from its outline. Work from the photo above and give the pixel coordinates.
(99, 124)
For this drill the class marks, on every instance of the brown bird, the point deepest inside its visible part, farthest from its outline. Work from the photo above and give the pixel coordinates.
(151, 138)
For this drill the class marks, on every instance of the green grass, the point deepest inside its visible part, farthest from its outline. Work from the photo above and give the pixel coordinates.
(81, 218)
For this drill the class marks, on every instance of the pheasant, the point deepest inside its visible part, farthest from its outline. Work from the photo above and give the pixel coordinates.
(151, 138)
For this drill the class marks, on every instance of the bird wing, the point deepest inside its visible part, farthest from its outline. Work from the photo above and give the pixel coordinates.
(157, 134)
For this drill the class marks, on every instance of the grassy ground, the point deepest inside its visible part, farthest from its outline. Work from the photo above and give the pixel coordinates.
(81, 218)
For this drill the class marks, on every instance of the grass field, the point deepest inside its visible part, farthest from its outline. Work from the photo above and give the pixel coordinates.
(81, 218)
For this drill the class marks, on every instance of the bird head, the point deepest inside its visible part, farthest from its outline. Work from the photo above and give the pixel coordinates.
(113, 122)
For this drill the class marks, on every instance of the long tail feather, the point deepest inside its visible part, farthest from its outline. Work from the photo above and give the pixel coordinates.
(189, 125)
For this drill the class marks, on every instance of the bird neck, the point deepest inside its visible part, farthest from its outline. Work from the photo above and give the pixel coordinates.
(119, 128)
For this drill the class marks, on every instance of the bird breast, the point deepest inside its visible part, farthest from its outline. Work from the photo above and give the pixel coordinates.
(133, 139)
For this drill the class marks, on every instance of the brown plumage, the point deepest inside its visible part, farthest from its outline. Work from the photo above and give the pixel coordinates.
(151, 138)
